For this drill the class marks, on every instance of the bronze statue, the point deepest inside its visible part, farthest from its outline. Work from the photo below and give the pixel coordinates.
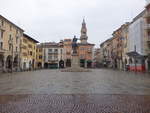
(74, 45)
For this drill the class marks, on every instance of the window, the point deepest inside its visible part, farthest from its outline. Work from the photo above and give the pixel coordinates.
(2, 33)
(56, 50)
(16, 40)
(9, 47)
(24, 54)
(9, 37)
(16, 49)
(82, 49)
(50, 57)
(2, 22)
(82, 56)
(17, 31)
(24, 40)
(55, 57)
(40, 57)
(30, 46)
(10, 28)
(40, 50)
(31, 53)
(50, 50)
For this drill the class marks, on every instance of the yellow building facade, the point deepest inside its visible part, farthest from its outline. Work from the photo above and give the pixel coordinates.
(39, 57)
(28, 52)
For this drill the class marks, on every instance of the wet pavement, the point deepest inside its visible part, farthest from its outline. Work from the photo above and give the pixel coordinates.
(53, 91)
(57, 82)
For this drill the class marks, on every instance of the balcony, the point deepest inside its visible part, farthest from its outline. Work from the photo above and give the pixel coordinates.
(53, 52)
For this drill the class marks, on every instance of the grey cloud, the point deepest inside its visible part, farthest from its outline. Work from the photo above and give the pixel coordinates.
(50, 20)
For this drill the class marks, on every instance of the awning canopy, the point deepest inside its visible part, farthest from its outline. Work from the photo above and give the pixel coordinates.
(135, 54)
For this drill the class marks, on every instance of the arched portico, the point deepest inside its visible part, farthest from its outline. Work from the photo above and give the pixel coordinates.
(39, 64)
(1, 62)
(9, 63)
(16, 62)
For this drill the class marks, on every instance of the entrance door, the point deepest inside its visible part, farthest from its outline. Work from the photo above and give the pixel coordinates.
(68, 63)
(82, 62)
(148, 65)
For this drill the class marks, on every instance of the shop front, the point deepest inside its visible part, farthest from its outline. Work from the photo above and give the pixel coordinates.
(136, 62)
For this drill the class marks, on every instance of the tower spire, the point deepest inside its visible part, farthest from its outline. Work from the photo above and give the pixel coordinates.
(83, 36)
(83, 20)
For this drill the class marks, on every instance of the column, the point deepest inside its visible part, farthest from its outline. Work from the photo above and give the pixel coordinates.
(85, 64)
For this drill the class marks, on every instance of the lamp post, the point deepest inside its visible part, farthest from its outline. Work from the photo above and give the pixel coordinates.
(135, 59)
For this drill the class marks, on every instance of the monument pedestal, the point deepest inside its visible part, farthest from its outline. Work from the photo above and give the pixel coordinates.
(75, 65)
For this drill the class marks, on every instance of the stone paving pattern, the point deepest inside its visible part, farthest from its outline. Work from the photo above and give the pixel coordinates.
(53, 91)
(74, 104)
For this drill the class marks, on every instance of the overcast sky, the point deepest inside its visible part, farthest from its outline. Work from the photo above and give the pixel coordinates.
(52, 20)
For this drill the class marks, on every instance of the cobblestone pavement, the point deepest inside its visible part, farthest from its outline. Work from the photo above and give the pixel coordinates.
(53, 91)
(75, 104)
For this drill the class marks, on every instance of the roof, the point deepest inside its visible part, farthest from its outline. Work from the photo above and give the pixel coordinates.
(86, 44)
(135, 54)
(51, 44)
(106, 41)
(30, 38)
(67, 40)
(11, 23)
(138, 16)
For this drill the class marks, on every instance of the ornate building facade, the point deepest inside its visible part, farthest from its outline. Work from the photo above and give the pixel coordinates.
(10, 38)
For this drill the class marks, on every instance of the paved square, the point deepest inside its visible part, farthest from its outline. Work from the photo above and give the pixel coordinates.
(53, 91)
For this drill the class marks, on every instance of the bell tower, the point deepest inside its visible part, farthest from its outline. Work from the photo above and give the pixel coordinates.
(84, 36)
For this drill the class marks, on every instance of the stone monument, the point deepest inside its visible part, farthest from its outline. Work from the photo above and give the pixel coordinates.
(75, 62)
(75, 57)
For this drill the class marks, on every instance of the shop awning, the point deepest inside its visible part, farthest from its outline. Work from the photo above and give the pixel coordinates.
(135, 54)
